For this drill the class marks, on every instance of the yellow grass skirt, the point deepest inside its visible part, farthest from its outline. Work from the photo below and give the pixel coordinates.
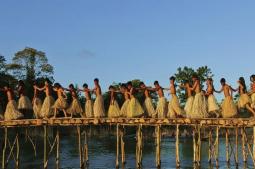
(60, 103)
(161, 108)
(253, 100)
(212, 104)
(12, 112)
(228, 108)
(114, 110)
(98, 108)
(37, 106)
(244, 100)
(148, 107)
(188, 106)
(1, 113)
(89, 109)
(134, 109)
(174, 107)
(24, 103)
(199, 107)
(47, 110)
(75, 108)
(124, 108)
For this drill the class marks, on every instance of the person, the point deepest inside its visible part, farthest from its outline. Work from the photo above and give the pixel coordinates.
(99, 110)
(134, 108)
(89, 103)
(11, 111)
(75, 108)
(213, 108)
(114, 109)
(161, 110)
(190, 98)
(199, 103)
(61, 103)
(124, 107)
(37, 102)
(244, 101)
(174, 108)
(252, 93)
(148, 105)
(229, 108)
(47, 106)
(24, 103)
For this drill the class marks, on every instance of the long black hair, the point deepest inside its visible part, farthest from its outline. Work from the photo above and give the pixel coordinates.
(242, 81)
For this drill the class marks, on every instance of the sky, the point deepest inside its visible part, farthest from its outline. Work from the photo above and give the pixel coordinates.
(121, 40)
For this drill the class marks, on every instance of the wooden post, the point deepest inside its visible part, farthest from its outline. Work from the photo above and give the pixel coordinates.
(139, 147)
(123, 158)
(243, 145)
(217, 147)
(177, 147)
(5, 146)
(86, 152)
(253, 144)
(194, 147)
(199, 146)
(45, 156)
(236, 146)
(17, 152)
(227, 147)
(80, 147)
(57, 155)
(158, 142)
(117, 146)
(210, 146)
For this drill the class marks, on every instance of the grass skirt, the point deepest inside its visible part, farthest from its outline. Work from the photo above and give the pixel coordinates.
(24, 103)
(174, 107)
(188, 106)
(149, 108)
(212, 104)
(253, 100)
(124, 108)
(98, 108)
(75, 108)
(37, 106)
(89, 109)
(114, 110)
(47, 109)
(134, 109)
(199, 107)
(228, 108)
(12, 112)
(161, 108)
(60, 103)
(244, 100)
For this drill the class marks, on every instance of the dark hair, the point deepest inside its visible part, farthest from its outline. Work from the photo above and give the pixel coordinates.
(71, 86)
(85, 85)
(195, 76)
(129, 83)
(223, 80)
(111, 87)
(96, 80)
(156, 83)
(242, 81)
(123, 85)
(172, 78)
(57, 85)
(210, 79)
(252, 77)
(21, 83)
(48, 81)
(141, 83)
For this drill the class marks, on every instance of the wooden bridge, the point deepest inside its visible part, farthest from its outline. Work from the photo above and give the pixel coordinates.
(232, 127)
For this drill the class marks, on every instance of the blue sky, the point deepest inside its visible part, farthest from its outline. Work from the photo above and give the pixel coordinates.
(119, 40)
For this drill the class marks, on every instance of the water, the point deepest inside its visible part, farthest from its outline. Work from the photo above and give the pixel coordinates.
(102, 151)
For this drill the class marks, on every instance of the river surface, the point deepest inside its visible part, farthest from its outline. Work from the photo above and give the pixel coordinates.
(102, 151)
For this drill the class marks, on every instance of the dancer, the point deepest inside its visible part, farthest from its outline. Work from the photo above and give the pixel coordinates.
(213, 108)
(244, 101)
(89, 102)
(75, 109)
(174, 108)
(37, 102)
(11, 111)
(229, 108)
(252, 93)
(148, 105)
(161, 109)
(134, 107)
(114, 109)
(98, 108)
(190, 98)
(61, 103)
(47, 110)
(199, 103)
(124, 107)
(24, 103)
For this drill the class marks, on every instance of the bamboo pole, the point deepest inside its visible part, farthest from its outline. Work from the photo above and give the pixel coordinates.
(210, 146)
(86, 152)
(139, 147)
(117, 146)
(177, 147)
(57, 155)
(217, 147)
(236, 146)
(227, 147)
(253, 145)
(199, 146)
(194, 147)
(17, 151)
(80, 147)
(158, 138)
(45, 156)
(243, 146)
(5, 146)
(123, 158)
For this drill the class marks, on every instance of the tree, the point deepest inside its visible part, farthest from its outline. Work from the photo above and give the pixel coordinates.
(185, 74)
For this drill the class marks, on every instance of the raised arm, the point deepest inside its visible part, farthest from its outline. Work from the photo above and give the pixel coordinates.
(194, 86)
(40, 89)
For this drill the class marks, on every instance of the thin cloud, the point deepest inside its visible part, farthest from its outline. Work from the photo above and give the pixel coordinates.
(86, 54)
